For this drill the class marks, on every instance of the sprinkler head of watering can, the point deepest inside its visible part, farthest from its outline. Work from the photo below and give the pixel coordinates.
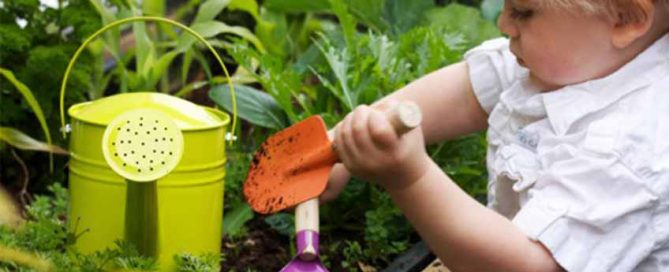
(142, 145)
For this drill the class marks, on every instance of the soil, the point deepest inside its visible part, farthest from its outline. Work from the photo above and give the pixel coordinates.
(264, 249)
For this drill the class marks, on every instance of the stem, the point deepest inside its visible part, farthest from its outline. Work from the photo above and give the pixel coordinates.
(24, 196)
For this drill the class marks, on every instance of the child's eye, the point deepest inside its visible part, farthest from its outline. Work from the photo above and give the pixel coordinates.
(521, 15)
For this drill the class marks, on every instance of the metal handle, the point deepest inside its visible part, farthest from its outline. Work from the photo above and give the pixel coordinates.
(154, 19)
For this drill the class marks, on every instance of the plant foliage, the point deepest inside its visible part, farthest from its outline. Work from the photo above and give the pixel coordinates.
(346, 67)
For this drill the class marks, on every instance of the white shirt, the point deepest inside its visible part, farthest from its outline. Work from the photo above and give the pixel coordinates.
(583, 169)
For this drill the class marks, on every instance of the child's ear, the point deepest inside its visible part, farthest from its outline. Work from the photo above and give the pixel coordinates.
(631, 25)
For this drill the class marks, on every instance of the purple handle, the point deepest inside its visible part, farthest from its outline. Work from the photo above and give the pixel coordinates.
(307, 244)
(306, 236)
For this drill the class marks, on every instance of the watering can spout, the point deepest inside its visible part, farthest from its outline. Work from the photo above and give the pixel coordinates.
(142, 146)
(141, 219)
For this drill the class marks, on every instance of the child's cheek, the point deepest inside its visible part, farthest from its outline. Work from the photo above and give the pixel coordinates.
(556, 70)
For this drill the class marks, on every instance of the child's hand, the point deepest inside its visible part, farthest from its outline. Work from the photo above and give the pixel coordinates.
(369, 147)
(336, 182)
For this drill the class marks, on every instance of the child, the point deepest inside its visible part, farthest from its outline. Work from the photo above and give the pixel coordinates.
(575, 104)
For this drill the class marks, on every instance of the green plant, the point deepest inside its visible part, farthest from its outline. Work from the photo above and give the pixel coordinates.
(18, 139)
(189, 263)
(156, 49)
(344, 68)
(35, 46)
(293, 59)
(352, 254)
(44, 240)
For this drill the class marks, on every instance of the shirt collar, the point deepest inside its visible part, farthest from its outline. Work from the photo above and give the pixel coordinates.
(567, 105)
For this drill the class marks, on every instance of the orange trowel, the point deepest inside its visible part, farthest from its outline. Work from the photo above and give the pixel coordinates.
(294, 165)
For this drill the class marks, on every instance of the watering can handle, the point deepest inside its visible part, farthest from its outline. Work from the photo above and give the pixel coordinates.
(145, 18)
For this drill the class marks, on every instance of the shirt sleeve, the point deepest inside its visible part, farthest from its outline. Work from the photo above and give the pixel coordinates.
(591, 212)
(492, 69)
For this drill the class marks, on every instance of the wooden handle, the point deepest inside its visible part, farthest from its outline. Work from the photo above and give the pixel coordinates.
(306, 229)
(306, 215)
(403, 116)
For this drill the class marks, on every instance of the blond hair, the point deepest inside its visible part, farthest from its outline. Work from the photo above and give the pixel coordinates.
(624, 11)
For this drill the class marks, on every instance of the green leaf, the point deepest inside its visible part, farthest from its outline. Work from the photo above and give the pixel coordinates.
(144, 49)
(297, 6)
(338, 61)
(153, 7)
(213, 28)
(491, 9)
(34, 105)
(309, 58)
(284, 223)
(250, 6)
(254, 106)
(185, 65)
(22, 141)
(464, 20)
(208, 262)
(113, 36)
(188, 88)
(204, 63)
(272, 30)
(233, 223)
(369, 12)
(209, 10)
(346, 21)
(402, 15)
(107, 15)
(157, 70)
(241, 76)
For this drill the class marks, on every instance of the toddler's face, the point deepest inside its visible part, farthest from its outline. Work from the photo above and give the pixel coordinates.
(558, 47)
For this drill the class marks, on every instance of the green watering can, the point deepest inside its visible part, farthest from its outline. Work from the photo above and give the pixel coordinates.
(148, 168)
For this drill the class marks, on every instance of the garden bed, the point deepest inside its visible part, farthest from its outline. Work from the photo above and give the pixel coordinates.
(288, 60)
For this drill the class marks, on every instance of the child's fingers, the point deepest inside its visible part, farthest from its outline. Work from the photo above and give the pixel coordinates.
(380, 130)
(386, 105)
(342, 140)
(360, 129)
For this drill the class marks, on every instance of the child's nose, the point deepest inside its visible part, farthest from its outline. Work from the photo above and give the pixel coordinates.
(506, 25)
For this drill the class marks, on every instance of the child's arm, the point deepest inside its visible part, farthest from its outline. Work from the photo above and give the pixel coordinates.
(446, 98)
(450, 109)
(463, 233)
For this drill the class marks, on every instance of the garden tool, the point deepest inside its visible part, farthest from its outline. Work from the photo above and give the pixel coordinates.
(142, 145)
(307, 239)
(293, 166)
